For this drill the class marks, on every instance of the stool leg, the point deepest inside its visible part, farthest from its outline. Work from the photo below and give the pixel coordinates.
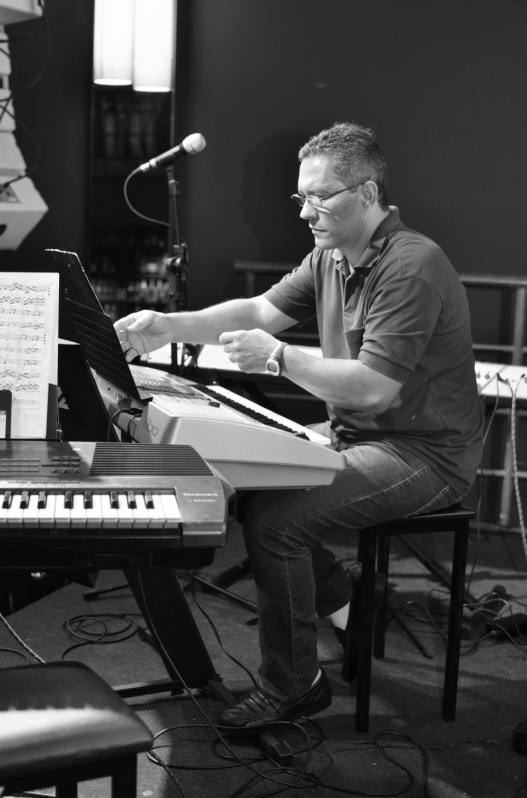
(459, 563)
(367, 587)
(124, 778)
(383, 565)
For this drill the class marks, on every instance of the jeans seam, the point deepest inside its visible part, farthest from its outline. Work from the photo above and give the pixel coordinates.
(429, 503)
(291, 612)
(362, 498)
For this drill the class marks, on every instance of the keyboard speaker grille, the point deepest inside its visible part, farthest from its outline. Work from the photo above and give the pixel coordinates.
(115, 459)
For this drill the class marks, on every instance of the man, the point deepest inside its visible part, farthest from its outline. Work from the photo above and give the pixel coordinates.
(398, 379)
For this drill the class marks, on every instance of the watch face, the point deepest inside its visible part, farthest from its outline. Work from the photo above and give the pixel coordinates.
(272, 366)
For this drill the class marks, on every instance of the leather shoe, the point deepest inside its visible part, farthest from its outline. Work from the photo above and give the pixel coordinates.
(349, 637)
(255, 709)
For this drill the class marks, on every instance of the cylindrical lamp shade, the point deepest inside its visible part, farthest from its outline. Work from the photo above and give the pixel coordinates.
(113, 46)
(153, 61)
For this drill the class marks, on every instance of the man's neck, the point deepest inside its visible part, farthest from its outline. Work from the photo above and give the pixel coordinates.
(372, 221)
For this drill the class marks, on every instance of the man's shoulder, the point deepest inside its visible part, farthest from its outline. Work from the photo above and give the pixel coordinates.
(418, 253)
(409, 254)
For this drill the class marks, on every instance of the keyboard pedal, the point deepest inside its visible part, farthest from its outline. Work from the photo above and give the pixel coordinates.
(278, 751)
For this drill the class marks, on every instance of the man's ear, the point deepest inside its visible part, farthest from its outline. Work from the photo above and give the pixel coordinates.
(370, 193)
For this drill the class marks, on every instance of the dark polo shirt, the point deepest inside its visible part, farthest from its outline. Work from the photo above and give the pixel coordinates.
(402, 311)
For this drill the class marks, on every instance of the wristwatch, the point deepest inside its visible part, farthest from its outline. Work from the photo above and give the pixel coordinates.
(274, 363)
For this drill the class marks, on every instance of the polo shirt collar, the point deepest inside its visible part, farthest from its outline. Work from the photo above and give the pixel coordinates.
(371, 254)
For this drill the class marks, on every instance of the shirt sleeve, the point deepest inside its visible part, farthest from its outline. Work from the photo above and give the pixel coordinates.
(405, 312)
(294, 295)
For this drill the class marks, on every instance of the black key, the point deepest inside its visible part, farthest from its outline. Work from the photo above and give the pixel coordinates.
(8, 498)
(42, 500)
(68, 500)
(114, 500)
(88, 500)
(132, 504)
(149, 501)
(24, 500)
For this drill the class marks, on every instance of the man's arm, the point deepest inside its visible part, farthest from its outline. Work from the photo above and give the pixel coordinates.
(254, 322)
(345, 383)
(349, 384)
(149, 330)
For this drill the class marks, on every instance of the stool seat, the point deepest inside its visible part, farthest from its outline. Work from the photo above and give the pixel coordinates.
(455, 513)
(374, 545)
(62, 721)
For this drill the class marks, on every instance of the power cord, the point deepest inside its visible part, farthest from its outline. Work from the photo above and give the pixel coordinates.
(19, 640)
(514, 392)
(81, 628)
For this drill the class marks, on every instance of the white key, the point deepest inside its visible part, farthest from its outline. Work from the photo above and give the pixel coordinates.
(172, 514)
(94, 514)
(14, 514)
(62, 515)
(109, 515)
(157, 514)
(3, 513)
(78, 512)
(125, 516)
(46, 515)
(30, 516)
(141, 514)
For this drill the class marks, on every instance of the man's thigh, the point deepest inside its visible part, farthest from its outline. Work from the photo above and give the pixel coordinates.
(380, 483)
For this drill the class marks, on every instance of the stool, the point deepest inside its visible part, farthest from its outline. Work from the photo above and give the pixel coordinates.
(60, 723)
(375, 542)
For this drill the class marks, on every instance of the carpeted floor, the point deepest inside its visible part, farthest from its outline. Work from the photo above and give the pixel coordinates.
(471, 757)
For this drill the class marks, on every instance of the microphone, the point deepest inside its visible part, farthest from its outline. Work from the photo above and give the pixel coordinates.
(191, 145)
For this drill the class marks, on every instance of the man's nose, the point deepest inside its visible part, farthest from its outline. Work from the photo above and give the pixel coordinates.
(308, 212)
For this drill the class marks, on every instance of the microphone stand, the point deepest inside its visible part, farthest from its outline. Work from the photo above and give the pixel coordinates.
(177, 265)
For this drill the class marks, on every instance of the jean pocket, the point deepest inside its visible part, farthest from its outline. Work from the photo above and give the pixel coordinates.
(441, 501)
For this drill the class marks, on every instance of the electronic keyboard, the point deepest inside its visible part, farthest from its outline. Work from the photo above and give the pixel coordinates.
(168, 496)
(252, 447)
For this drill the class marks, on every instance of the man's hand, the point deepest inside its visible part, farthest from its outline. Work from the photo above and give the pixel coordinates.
(143, 332)
(249, 349)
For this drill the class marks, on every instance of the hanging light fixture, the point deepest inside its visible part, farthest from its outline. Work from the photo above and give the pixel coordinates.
(112, 55)
(153, 60)
(134, 44)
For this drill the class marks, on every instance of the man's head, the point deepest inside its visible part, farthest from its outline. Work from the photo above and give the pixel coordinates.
(354, 155)
(342, 188)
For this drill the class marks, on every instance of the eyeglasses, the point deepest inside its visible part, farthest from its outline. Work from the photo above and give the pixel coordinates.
(316, 202)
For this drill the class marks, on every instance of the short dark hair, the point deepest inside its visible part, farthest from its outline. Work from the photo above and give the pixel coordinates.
(354, 153)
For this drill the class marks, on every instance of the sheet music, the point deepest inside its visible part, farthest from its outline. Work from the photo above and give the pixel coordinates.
(29, 313)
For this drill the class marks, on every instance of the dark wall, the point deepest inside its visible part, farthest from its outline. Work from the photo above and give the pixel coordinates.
(441, 82)
(57, 111)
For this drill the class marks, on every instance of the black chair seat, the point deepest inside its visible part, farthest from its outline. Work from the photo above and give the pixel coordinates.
(60, 723)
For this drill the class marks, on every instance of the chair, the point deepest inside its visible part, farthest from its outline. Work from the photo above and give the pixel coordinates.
(60, 724)
(375, 543)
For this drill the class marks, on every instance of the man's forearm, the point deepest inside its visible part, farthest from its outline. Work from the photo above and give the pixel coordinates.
(344, 383)
(205, 326)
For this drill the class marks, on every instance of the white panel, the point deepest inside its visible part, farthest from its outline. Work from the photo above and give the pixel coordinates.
(5, 59)
(12, 163)
(7, 112)
(18, 11)
(21, 208)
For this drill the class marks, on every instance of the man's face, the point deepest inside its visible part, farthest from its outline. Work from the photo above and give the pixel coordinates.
(340, 222)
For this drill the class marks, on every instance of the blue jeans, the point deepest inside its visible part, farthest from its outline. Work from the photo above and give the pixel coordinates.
(296, 577)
